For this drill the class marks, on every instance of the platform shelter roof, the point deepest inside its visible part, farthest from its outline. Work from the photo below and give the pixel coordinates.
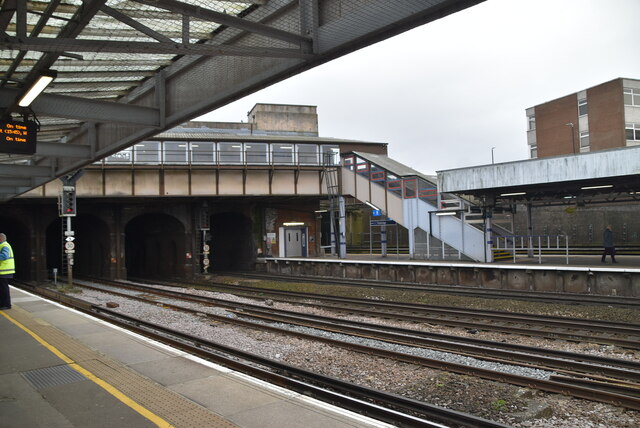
(604, 176)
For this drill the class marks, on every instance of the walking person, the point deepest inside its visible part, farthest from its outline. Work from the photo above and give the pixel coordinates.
(607, 243)
(7, 269)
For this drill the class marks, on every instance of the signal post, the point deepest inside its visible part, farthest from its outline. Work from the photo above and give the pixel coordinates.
(67, 208)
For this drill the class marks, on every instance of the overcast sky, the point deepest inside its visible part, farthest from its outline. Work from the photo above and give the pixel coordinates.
(442, 95)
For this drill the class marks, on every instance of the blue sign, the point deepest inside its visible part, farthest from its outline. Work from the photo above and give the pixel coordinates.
(376, 213)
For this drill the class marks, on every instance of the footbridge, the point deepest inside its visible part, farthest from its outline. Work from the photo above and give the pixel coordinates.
(439, 225)
(125, 71)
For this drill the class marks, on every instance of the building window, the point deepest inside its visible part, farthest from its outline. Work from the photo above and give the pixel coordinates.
(633, 131)
(632, 97)
(175, 152)
(584, 141)
(147, 152)
(330, 155)
(282, 153)
(123, 156)
(256, 153)
(230, 153)
(203, 152)
(532, 122)
(307, 154)
(582, 107)
(534, 152)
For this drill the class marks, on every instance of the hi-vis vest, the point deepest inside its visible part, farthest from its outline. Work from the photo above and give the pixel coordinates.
(7, 266)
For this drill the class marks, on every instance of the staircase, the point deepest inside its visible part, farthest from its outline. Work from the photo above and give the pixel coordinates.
(440, 226)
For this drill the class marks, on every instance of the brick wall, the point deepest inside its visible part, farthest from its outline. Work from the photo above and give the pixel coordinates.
(552, 132)
(606, 116)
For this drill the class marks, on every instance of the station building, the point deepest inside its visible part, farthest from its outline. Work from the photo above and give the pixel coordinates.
(606, 116)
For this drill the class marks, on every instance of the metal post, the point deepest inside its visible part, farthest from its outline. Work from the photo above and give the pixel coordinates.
(530, 230)
(69, 258)
(539, 249)
(370, 238)
(488, 234)
(397, 245)
(342, 226)
(461, 234)
(383, 240)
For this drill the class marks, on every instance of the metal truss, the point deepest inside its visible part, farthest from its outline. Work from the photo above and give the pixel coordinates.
(130, 69)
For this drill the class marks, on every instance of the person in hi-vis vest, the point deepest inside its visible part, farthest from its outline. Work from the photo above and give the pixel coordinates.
(7, 269)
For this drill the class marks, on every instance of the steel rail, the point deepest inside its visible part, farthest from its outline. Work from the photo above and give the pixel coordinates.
(623, 368)
(534, 357)
(490, 293)
(367, 401)
(567, 328)
(596, 390)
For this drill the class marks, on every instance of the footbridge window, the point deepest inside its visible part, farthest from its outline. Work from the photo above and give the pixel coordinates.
(408, 187)
(226, 153)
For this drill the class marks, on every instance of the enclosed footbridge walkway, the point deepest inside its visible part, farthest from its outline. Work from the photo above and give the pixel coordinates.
(439, 225)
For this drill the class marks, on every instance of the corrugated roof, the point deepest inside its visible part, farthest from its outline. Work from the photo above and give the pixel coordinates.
(395, 167)
(202, 134)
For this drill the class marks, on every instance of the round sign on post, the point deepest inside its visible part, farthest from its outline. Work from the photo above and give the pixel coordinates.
(205, 247)
(69, 245)
(205, 262)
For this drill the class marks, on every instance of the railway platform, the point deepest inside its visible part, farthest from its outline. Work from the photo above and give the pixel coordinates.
(583, 275)
(62, 368)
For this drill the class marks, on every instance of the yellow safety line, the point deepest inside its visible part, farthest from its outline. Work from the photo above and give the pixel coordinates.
(106, 386)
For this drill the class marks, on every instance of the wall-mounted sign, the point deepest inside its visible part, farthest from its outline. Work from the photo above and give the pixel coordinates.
(18, 137)
(382, 222)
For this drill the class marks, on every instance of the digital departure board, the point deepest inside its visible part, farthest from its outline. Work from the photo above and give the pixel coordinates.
(18, 137)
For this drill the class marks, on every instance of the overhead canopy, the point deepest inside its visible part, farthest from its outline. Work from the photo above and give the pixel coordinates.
(128, 69)
(598, 177)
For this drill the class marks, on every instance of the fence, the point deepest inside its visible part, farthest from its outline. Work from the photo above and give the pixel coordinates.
(532, 243)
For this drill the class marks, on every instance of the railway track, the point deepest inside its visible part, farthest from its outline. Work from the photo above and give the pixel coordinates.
(550, 327)
(594, 378)
(534, 296)
(394, 409)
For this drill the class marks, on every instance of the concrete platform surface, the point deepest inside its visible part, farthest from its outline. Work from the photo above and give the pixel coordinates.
(61, 368)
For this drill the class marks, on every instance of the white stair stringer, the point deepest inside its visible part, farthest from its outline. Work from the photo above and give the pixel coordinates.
(415, 213)
(451, 230)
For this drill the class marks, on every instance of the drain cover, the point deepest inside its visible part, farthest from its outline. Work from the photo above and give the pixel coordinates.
(52, 376)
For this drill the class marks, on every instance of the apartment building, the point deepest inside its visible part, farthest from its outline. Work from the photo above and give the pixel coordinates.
(603, 117)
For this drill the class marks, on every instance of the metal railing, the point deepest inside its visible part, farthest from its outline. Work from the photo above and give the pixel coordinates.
(217, 154)
(532, 244)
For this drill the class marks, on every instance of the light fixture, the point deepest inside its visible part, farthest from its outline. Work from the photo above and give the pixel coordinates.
(36, 89)
(441, 213)
(604, 186)
(321, 211)
(293, 223)
(371, 205)
(513, 194)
